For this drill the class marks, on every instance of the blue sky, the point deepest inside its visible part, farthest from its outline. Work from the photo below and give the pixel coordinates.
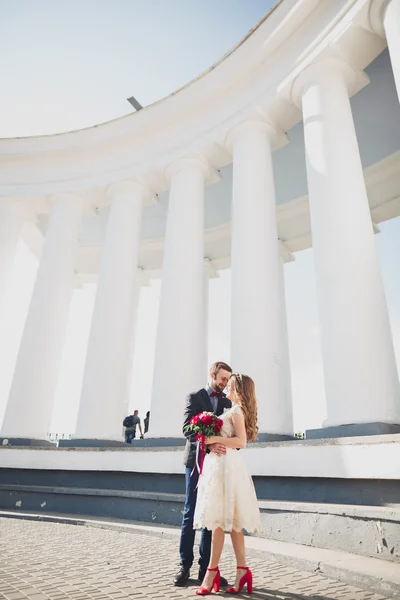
(67, 65)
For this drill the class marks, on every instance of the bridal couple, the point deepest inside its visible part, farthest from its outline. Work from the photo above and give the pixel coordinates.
(223, 499)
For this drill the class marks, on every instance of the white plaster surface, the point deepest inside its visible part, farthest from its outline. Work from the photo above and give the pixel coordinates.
(371, 458)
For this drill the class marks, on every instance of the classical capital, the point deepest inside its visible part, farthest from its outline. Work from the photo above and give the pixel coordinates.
(135, 189)
(191, 163)
(276, 136)
(376, 16)
(284, 252)
(76, 198)
(66, 197)
(17, 207)
(210, 272)
(327, 69)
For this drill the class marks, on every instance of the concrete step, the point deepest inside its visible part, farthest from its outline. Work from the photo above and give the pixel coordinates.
(364, 530)
(385, 513)
(375, 575)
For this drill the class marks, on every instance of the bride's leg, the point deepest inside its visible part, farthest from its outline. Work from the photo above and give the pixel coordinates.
(240, 553)
(217, 544)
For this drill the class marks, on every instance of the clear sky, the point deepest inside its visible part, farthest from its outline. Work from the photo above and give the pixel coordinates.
(67, 65)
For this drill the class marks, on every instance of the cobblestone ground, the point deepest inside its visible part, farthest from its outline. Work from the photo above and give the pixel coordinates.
(55, 561)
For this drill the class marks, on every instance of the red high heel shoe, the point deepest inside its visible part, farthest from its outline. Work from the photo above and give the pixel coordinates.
(216, 584)
(246, 579)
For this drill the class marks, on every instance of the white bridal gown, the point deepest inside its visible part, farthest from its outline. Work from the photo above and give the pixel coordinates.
(226, 497)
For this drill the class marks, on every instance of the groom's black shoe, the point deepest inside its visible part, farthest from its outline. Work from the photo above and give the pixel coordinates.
(202, 574)
(182, 575)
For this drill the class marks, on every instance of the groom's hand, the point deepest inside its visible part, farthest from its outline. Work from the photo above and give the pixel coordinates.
(218, 449)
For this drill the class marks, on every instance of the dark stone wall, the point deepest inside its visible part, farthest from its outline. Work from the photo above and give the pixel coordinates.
(294, 489)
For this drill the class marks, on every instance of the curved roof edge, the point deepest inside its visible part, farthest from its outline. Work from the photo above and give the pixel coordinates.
(252, 81)
(177, 91)
(260, 42)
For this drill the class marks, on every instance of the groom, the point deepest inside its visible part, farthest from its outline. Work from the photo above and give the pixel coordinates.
(210, 399)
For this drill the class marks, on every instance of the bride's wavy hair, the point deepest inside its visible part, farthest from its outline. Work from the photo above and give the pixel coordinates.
(244, 391)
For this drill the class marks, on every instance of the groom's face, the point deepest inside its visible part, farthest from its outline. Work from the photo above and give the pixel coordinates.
(220, 380)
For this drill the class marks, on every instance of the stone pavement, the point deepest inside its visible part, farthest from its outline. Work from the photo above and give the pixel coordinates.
(56, 561)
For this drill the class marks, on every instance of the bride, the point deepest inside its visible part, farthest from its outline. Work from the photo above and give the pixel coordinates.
(226, 499)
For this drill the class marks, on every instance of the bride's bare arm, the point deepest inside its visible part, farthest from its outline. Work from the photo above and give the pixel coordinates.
(239, 441)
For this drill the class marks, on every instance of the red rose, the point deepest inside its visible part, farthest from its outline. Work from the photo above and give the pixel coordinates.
(218, 423)
(194, 420)
(206, 419)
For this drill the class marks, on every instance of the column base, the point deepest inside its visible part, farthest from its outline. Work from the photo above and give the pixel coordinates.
(12, 441)
(180, 441)
(274, 437)
(159, 442)
(90, 443)
(136, 443)
(155, 442)
(353, 430)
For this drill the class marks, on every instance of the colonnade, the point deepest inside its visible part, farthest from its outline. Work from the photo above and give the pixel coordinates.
(362, 384)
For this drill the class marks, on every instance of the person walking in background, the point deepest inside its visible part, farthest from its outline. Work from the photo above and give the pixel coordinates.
(146, 422)
(130, 423)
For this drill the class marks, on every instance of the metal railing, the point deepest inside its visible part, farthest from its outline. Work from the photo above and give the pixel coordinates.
(56, 437)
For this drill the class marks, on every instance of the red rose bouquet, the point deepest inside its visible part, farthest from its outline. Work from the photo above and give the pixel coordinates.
(205, 425)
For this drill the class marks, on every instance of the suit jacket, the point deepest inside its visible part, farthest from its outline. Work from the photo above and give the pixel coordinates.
(195, 404)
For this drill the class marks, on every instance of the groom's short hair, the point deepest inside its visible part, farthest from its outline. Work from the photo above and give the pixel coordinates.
(217, 366)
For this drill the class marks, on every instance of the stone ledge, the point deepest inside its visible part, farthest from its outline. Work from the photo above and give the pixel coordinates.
(354, 430)
(76, 491)
(362, 459)
(384, 513)
(369, 573)
(139, 446)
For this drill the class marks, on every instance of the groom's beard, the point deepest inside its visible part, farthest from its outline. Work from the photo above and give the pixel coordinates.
(215, 387)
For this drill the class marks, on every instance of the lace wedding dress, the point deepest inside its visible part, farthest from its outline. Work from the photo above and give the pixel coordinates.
(226, 497)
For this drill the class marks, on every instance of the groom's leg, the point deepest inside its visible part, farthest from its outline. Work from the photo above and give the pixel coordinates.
(205, 549)
(187, 532)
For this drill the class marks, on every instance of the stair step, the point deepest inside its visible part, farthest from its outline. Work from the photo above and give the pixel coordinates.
(386, 513)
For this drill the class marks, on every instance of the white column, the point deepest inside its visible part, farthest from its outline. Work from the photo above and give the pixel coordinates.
(361, 378)
(384, 19)
(12, 216)
(285, 386)
(391, 23)
(29, 409)
(179, 357)
(209, 273)
(255, 275)
(104, 389)
(138, 283)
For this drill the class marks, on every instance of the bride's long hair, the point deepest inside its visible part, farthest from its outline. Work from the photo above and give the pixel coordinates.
(244, 391)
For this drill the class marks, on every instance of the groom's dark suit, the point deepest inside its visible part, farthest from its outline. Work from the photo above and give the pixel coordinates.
(196, 403)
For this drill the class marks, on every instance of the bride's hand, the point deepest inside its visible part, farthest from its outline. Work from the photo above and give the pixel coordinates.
(211, 440)
(214, 439)
(218, 449)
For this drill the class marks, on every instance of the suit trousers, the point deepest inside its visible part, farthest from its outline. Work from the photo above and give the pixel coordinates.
(188, 533)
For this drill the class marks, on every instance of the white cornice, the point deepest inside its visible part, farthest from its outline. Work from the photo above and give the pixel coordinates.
(194, 120)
